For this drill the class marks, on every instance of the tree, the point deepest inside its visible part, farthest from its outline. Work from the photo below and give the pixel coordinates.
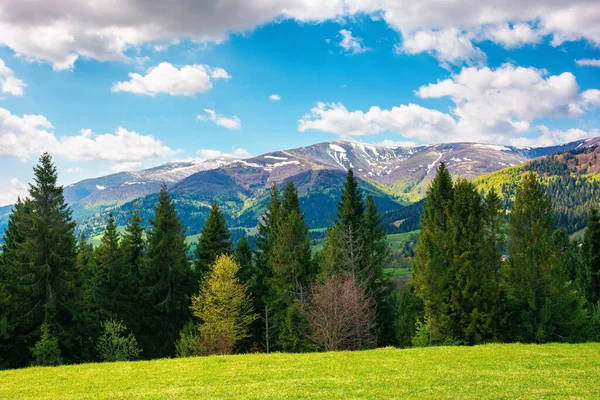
(46, 351)
(409, 312)
(339, 315)
(167, 279)
(214, 241)
(115, 344)
(243, 255)
(541, 302)
(432, 273)
(224, 307)
(109, 272)
(591, 257)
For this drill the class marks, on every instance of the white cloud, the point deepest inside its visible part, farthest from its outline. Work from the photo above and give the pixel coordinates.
(550, 137)
(207, 154)
(73, 170)
(9, 83)
(16, 189)
(126, 166)
(449, 46)
(352, 44)
(61, 31)
(221, 120)
(22, 137)
(490, 105)
(588, 63)
(396, 143)
(275, 97)
(512, 37)
(167, 78)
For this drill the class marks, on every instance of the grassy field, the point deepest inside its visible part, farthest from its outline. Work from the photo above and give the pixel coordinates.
(398, 272)
(490, 371)
(397, 240)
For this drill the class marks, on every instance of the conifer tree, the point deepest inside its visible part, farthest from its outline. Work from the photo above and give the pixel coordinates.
(432, 273)
(224, 307)
(591, 257)
(168, 281)
(243, 256)
(109, 272)
(45, 275)
(214, 241)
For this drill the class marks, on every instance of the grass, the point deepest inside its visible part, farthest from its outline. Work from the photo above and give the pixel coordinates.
(398, 272)
(492, 371)
(398, 240)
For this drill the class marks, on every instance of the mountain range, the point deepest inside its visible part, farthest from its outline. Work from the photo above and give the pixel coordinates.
(395, 176)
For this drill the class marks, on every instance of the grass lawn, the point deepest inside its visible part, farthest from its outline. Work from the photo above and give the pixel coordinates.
(398, 272)
(490, 371)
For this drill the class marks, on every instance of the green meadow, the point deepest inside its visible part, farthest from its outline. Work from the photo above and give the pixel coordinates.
(498, 371)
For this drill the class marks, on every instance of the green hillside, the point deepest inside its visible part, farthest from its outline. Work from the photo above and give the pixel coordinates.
(491, 371)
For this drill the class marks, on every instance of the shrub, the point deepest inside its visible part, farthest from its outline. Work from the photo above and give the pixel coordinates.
(114, 345)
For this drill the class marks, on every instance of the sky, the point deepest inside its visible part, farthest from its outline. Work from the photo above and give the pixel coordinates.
(127, 84)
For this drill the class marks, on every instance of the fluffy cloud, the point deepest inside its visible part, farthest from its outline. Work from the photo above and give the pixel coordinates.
(207, 154)
(15, 190)
(588, 63)
(219, 119)
(8, 82)
(22, 137)
(166, 78)
(352, 44)
(490, 105)
(61, 31)
(275, 97)
(550, 137)
(449, 46)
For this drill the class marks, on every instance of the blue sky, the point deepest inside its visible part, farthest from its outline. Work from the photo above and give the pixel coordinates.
(246, 79)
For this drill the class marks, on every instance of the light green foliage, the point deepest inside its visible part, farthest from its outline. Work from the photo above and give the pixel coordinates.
(512, 371)
(46, 350)
(115, 344)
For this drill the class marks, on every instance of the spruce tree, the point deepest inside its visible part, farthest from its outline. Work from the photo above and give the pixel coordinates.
(46, 279)
(243, 256)
(591, 257)
(109, 272)
(432, 273)
(214, 241)
(168, 281)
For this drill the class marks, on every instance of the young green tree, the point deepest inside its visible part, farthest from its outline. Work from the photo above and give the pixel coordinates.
(214, 241)
(109, 272)
(224, 307)
(168, 281)
(432, 273)
(115, 343)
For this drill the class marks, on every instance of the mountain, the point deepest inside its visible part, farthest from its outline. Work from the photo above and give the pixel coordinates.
(396, 176)
(571, 178)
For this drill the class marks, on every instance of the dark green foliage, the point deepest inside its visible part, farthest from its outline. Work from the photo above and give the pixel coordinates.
(168, 281)
(432, 272)
(591, 257)
(243, 255)
(409, 311)
(46, 351)
(115, 344)
(109, 272)
(214, 241)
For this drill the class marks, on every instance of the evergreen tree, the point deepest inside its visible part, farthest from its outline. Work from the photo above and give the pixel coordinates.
(167, 279)
(377, 286)
(214, 241)
(86, 265)
(109, 272)
(591, 257)
(243, 256)
(432, 273)
(224, 307)
(542, 304)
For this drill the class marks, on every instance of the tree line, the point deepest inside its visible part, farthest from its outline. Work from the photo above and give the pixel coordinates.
(486, 274)
(138, 294)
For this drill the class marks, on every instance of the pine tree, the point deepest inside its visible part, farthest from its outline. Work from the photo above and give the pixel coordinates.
(109, 272)
(432, 274)
(224, 307)
(243, 256)
(43, 264)
(591, 257)
(214, 241)
(377, 286)
(167, 279)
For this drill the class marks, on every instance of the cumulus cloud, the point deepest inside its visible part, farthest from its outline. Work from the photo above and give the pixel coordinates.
(449, 46)
(207, 154)
(15, 190)
(490, 105)
(8, 82)
(275, 97)
(588, 63)
(219, 119)
(23, 137)
(514, 36)
(61, 31)
(550, 137)
(352, 44)
(167, 78)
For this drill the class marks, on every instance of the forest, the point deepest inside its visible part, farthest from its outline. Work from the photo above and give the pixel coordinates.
(482, 273)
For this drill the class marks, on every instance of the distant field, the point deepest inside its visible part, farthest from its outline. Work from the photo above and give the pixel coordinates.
(397, 240)
(491, 371)
(398, 272)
